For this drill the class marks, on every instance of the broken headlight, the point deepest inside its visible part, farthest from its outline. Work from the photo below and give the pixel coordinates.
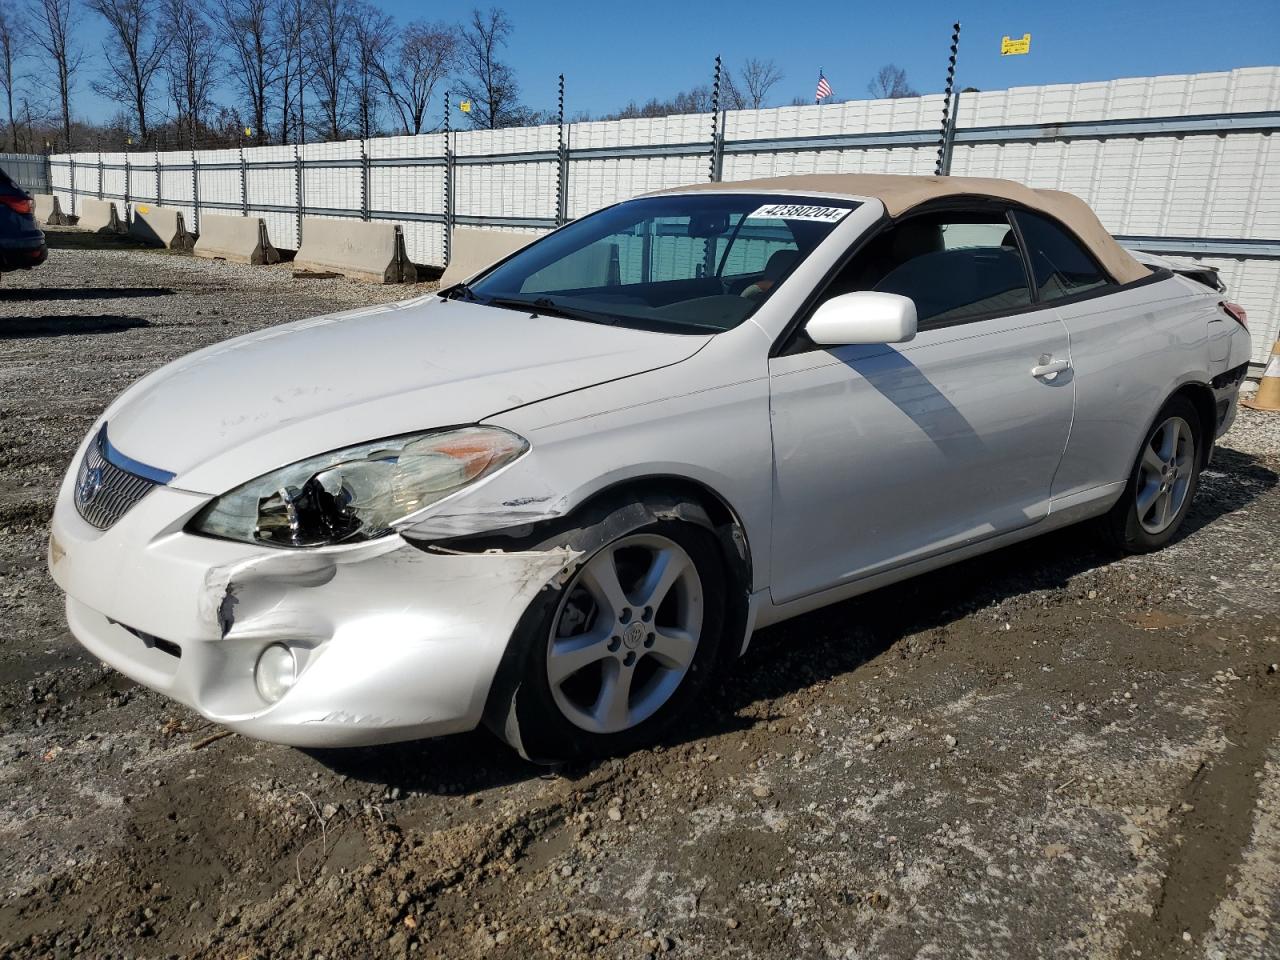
(357, 493)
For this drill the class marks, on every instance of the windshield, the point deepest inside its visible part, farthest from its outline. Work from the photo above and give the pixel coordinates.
(684, 263)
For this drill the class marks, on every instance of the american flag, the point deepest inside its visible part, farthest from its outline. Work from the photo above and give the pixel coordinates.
(824, 88)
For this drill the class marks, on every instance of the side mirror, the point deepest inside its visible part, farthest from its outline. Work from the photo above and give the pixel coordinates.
(863, 317)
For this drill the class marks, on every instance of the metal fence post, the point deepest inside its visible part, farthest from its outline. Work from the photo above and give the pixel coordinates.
(564, 176)
(562, 166)
(718, 173)
(714, 170)
(195, 193)
(48, 167)
(71, 186)
(948, 132)
(155, 146)
(364, 181)
(127, 183)
(99, 146)
(244, 182)
(448, 178)
(297, 190)
(950, 144)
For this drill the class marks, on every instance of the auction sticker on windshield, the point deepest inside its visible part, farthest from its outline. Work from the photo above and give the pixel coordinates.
(799, 211)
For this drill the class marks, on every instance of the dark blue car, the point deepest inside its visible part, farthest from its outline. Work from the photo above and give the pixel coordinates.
(22, 243)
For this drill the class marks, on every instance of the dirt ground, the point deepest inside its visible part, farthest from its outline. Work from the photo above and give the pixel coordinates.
(1047, 752)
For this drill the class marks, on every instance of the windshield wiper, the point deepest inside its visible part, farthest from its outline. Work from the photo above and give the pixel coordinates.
(545, 306)
(460, 291)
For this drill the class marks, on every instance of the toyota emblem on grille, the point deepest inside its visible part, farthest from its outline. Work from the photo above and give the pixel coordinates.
(90, 485)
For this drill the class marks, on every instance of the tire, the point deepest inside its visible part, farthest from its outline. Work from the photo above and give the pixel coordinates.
(601, 665)
(1161, 484)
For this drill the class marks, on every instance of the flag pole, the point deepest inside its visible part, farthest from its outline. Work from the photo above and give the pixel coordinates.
(817, 100)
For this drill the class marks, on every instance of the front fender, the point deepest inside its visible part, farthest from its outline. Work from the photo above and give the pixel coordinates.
(717, 438)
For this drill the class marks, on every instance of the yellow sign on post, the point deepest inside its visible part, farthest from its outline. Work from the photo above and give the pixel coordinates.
(465, 106)
(1011, 48)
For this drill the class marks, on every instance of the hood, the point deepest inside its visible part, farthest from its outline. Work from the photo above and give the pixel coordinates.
(235, 410)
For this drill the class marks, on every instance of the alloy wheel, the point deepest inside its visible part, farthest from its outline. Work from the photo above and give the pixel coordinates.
(625, 633)
(1164, 475)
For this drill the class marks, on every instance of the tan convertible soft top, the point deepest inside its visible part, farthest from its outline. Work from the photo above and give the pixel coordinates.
(900, 193)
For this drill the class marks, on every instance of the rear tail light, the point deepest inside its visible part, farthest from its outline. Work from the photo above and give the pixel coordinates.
(20, 205)
(1236, 313)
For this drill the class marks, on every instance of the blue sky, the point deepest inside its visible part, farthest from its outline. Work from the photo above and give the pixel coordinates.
(614, 52)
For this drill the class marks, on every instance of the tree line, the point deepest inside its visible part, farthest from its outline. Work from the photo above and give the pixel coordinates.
(213, 73)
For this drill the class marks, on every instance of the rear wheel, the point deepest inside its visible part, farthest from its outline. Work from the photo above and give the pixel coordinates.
(602, 665)
(1162, 482)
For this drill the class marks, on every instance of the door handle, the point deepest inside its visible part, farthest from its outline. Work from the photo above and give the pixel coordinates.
(1049, 369)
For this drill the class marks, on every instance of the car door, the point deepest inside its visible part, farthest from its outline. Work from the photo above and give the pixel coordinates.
(891, 453)
(1130, 344)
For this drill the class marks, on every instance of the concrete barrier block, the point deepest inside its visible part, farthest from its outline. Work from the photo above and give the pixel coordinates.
(470, 251)
(99, 216)
(160, 227)
(362, 251)
(48, 210)
(237, 239)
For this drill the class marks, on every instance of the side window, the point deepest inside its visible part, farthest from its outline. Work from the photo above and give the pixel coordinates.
(1060, 265)
(953, 265)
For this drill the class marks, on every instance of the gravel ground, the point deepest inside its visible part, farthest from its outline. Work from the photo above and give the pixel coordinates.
(1046, 752)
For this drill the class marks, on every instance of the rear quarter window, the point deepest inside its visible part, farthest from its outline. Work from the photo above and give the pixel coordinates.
(1060, 264)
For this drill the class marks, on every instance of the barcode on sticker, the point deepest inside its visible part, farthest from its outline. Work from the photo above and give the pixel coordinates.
(799, 211)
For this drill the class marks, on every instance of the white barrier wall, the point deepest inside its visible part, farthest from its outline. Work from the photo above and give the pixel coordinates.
(29, 171)
(1183, 165)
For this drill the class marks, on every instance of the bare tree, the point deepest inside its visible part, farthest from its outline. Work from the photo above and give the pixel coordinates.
(373, 31)
(890, 83)
(694, 100)
(732, 96)
(424, 56)
(758, 77)
(53, 20)
(486, 81)
(190, 55)
(248, 33)
(9, 54)
(329, 40)
(133, 54)
(36, 119)
(291, 26)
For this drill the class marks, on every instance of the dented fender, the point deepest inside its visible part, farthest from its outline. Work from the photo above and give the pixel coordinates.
(400, 639)
(393, 640)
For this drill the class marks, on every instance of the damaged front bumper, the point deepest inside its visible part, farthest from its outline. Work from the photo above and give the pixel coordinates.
(392, 640)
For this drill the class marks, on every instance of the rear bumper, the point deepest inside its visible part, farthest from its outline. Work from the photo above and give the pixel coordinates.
(22, 257)
(392, 642)
(1226, 395)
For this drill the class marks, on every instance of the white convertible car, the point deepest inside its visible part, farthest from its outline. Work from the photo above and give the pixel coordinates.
(559, 498)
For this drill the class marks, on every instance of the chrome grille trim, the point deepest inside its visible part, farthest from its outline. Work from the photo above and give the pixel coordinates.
(105, 492)
(130, 465)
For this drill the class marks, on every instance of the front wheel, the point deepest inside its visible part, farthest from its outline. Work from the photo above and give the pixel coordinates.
(603, 664)
(1162, 482)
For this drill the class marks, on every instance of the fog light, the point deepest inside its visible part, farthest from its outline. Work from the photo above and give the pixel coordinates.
(275, 672)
